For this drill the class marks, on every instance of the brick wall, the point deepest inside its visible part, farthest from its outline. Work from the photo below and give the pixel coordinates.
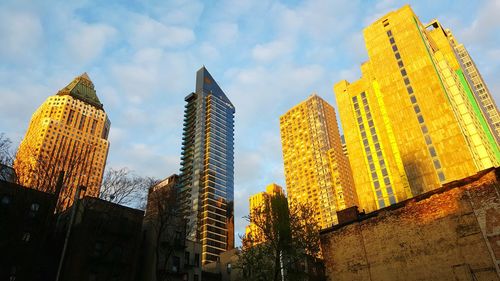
(452, 233)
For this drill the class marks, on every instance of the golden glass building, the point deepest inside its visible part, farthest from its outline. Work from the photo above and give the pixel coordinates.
(67, 133)
(257, 202)
(415, 119)
(316, 169)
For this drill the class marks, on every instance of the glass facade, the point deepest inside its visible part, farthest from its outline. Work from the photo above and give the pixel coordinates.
(207, 167)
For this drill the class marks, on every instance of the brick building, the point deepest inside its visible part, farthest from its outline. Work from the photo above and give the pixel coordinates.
(451, 233)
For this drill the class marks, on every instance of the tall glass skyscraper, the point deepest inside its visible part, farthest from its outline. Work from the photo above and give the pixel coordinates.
(207, 167)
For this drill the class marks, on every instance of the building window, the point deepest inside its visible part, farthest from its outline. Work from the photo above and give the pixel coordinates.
(441, 176)
(26, 237)
(176, 263)
(6, 200)
(196, 278)
(197, 260)
(98, 249)
(186, 258)
(228, 268)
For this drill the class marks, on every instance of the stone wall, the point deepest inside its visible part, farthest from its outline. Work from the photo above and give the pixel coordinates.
(452, 233)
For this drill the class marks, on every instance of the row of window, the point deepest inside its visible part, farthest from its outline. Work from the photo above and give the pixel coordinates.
(416, 108)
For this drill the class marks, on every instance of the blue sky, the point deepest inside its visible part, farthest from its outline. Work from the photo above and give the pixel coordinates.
(266, 55)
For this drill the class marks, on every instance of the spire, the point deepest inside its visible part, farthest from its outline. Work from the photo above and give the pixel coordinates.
(82, 88)
(85, 76)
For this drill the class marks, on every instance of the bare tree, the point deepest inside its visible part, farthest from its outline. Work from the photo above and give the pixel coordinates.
(123, 187)
(286, 237)
(6, 159)
(6, 155)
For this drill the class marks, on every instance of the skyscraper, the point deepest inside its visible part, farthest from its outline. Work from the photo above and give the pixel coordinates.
(67, 133)
(316, 169)
(207, 166)
(414, 120)
(258, 202)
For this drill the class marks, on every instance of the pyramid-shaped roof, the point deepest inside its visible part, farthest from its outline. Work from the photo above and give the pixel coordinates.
(82, 88)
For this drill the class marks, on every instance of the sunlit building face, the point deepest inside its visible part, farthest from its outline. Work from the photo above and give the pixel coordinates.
(419, 117)
(67, 133)
(317, 171)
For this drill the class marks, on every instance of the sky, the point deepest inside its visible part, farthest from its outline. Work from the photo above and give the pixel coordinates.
(266, 55)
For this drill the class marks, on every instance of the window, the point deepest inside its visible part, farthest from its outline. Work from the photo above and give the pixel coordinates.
(441, 176)
(400, 63)
(70, 116)
(186, 258)
(389, 33)
(228, 268)
(410, 90)
(432, 151)
(197, 260)
(196, 278)
(176, 262)
(413, 99)
(397, 55)
(420, 119)
(394, 48)
(392, 40)
(437, 164)
(26, 237)
(424, 129)
(98, 249)
(6, 200)
(407, 81)
(82, 122)
(403, 72)
(428, 139)
(416, 108)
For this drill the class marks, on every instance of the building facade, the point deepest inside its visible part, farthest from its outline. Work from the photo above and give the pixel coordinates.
(167, 254)
(450, 233)
(67, 133)
(207, 166)
(316, 170)
(412, 122)
(257, 203)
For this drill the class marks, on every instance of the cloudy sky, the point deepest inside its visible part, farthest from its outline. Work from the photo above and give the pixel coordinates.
(266, 55)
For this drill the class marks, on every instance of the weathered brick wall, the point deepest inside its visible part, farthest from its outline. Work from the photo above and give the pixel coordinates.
(450, 234)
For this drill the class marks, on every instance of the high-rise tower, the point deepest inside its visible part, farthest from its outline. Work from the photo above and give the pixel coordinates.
(416, 118)
(207, 172)
(316, 169)
(67, 133)
(258, 203)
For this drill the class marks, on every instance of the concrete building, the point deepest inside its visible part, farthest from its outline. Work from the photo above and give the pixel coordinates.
(104, 243)
(26, 220)
(207, 172)
(450, 233)
(224, 269)
(257, 203)
(316, 170)
(69, 133)
(166, 251)
(411, 122)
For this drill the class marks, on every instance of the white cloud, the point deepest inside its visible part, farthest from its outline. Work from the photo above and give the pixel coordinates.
(148, 32)
(86, 42)
(21, 34)
(272, 50)
(223, 33)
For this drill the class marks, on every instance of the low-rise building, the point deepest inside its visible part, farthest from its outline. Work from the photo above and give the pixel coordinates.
(451, 233)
